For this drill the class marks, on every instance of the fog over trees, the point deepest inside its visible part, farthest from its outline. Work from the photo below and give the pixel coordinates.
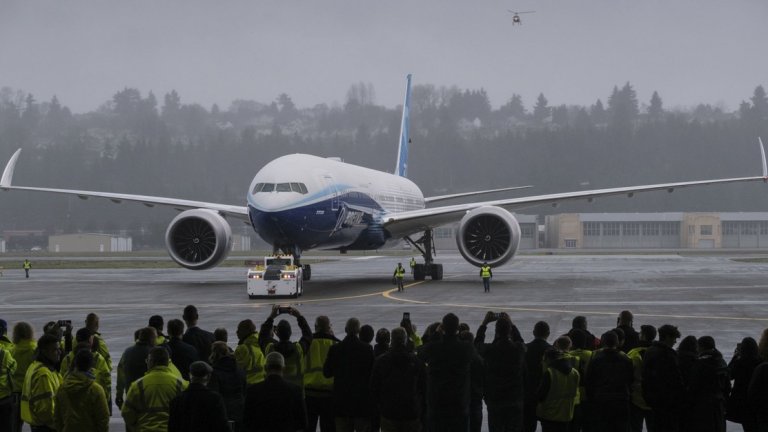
(164, 145)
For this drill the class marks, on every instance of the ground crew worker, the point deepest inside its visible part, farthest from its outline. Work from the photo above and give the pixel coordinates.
(27, 266)
(7, 370)
(413, 264)
(398, 275)
(318, 388)
(92, 324)
(99, 369)
(24, 346)
(148, 401)
(581, 417)
(639, 410)
(81, 403)
(557, 393)
(41, 383)
(248, 354)
(486, 274)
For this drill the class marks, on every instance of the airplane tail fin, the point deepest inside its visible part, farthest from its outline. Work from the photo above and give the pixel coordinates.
(401, 168)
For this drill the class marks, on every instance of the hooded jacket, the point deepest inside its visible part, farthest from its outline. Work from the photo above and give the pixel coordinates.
(81, 405)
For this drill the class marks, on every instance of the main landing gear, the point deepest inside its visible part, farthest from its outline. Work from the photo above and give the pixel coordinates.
(426, 246)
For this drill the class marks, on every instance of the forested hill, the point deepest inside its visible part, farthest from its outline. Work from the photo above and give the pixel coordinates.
(136, 143)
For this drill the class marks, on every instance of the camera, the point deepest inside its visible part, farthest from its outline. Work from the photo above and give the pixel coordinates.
(283, 309)
(407, 316)
(64, 323)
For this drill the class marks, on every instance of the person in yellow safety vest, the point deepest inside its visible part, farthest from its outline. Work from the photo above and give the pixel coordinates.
(639, 410)
(147, 404)
(486, 274)
(317, 388)
(578, 349)
(398, 276)
(557, 392)
(41, 383)
(413, 264)
(27, 266)
(248, 354)
(81, 403)
(92, 324)
(99, 369)
(293, 352)
(7, 370)
(156, 321)
(24, 346)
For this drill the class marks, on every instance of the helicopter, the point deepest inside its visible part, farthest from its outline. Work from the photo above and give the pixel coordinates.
(516, 16)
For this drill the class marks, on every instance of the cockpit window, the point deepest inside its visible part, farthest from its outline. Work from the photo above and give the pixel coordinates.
(299, 187)
(280, 187)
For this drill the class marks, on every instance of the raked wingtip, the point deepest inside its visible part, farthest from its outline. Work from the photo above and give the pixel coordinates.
(7, 178)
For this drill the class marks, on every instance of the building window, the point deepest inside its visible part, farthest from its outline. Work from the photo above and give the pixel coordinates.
(705, 230)
(631, 229)
(570, 243)
(591, 228)
(764, 228)
(527, 230)
(650, 229)
(749, 228)
(611, 228)
(670, 228)
(730, 228)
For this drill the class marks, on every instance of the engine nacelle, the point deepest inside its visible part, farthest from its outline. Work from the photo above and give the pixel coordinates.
(198, 239)
(488, 234)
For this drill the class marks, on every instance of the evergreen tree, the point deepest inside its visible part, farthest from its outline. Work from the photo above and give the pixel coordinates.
(541, 111)
(655, 109)
(760, 103)
(597, 112)
(513, 108)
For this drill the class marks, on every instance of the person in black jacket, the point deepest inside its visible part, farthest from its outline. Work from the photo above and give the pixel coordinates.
(398, 382)
(710, 384)
(229, 381)
(274, 405)
(504, 374)
(195, 336)
(198, 409)
(744, 362)
(350, 363)
(449, 370)
(662, 381)
(580, 323)
(631, 337)
(757, 397)
(534, 358)
(182, 353)
(382, 342)
(608, 384)
(687, 354)
(133, 363)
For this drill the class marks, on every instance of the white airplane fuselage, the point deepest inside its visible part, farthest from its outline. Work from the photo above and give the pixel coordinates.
(308, 202)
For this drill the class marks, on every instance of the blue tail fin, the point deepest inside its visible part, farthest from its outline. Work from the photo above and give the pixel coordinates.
(401, 168)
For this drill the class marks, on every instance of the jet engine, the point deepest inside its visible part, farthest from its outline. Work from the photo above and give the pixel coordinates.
(198, 239)
(488, 234)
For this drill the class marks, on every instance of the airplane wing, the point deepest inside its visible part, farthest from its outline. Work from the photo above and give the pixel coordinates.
(409, 222)
(236, 212)
(464, 194)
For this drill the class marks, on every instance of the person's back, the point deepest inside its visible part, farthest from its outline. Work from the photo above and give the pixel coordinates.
(198, 409)
(195, 336)
(41, 383)
(534, 364)
(662, 381)
(274, 405)
(182, 353)
(81, 403)
(147, 403)
(449, 365)
(248, 353)
(229, 381)
(709, 386)
(7, 369)
(133, 363)
(608, 384)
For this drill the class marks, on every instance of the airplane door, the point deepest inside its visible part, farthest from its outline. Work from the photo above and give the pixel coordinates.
(334, 191)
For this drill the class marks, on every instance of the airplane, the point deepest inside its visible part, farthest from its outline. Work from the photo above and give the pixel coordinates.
(301, 202)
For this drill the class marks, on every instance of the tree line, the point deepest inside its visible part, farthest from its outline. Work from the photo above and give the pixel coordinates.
(135, 143)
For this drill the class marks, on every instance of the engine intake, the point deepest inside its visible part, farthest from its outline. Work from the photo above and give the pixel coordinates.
(198, 239)
(488, 234)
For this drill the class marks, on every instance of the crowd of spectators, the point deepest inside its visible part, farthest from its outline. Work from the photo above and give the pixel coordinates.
(626, 379)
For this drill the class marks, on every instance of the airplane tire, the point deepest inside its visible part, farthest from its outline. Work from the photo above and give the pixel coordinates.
(307, 273)
(437, 271)
(419, 272)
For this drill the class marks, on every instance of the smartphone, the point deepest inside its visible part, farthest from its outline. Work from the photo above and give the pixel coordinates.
(407, 316)
(64, 323)
(283, 309)
(497, 315)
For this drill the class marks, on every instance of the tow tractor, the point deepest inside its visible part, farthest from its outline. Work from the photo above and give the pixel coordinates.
(277, 276)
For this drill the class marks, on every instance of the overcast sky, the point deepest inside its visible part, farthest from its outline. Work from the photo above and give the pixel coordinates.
(690, 51)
